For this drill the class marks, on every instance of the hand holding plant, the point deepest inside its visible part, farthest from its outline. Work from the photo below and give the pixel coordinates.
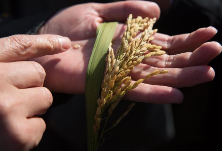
(182, 59)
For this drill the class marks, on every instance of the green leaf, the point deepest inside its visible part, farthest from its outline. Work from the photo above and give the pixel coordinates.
(94, 75)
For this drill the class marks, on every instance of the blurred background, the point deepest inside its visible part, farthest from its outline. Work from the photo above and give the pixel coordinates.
(193, 125)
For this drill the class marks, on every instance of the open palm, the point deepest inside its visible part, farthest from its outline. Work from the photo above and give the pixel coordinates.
(186, 60)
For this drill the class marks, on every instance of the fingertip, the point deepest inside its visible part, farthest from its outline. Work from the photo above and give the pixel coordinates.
(155, 94)
(65, 43)
(206, 73)
(177, 98)
(214, 48)
(218, 46)
(211, 73)
(202, 35)
(212, 29)
(169, 95)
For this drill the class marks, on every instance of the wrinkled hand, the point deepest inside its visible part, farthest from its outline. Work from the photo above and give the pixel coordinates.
(22, 95)
(186, 60)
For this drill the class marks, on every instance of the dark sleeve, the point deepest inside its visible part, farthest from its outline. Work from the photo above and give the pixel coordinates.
(27, 25)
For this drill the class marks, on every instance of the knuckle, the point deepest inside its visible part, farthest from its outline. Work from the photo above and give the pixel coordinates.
(126, 6)
(18, 43)
(14, 133)
(35, 142)
(48, 96)
(169, 60)
(6, 105)
(41, 128)
(94, 5)
(40, 70)
(26, 136)
(52, 43)
(168, 42)
(43, 125)
(23, 142)
(3, 109)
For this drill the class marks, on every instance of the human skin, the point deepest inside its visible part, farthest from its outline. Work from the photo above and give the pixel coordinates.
(186, 59)
(22, 95)
(163, 4)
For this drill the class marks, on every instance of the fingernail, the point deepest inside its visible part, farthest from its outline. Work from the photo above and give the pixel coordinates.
(65, 43)
(213, 28)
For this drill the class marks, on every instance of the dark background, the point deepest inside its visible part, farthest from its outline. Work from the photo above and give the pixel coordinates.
(193, 125)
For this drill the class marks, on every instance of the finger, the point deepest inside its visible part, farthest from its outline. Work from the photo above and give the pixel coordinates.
(36, 128)
(201, 56)
(119, 11)
(23, 74)
(176, 77)
(23, 47)
(25, 133)
(35, 101)
(185, 42)
(154, 94)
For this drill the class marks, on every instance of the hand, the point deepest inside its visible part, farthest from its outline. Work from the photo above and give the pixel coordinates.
(66, 72)
(22, 95)
(186, 61)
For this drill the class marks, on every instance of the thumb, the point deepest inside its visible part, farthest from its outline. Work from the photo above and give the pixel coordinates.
(23, 47)
(119, 11)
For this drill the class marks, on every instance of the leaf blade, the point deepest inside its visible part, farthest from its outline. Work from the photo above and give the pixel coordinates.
(94, 74)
